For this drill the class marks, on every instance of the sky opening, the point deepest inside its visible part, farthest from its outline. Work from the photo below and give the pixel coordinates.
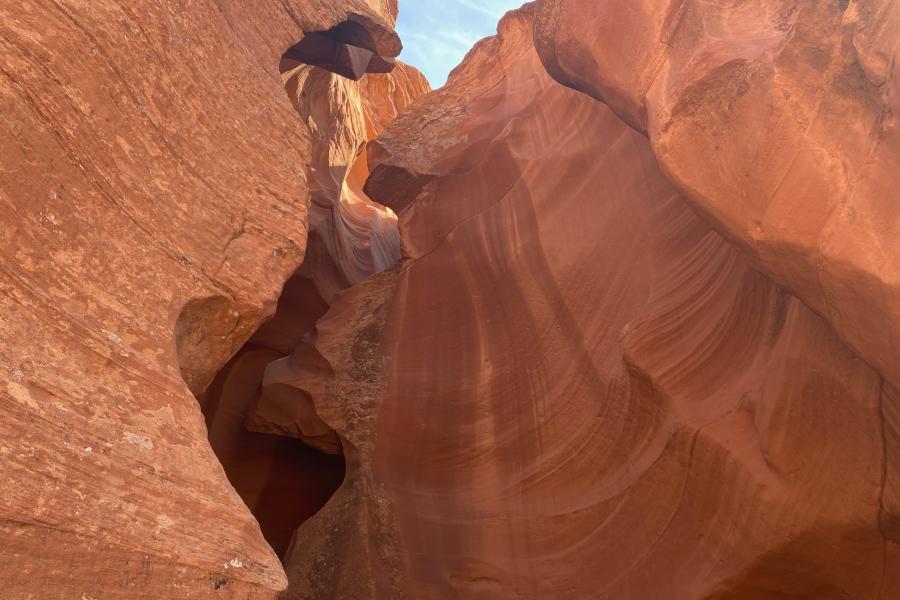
(437, 34)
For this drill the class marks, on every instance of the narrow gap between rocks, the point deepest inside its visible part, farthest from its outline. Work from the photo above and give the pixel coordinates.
(284, 462)
(282, 480)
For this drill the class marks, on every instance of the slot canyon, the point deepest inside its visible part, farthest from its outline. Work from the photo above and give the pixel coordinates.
(613, 314)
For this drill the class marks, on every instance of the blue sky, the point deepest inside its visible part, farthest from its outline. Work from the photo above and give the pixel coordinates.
(437, 33)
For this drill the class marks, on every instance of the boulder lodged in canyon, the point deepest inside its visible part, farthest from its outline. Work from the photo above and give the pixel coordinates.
(641, 341)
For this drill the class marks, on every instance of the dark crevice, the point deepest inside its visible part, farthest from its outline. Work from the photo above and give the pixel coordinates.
(280, 457)
(281, 479)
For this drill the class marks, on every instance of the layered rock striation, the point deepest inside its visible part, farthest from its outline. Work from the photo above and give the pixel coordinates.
(633, 334)
(810, 92)
(262, 420)
(584, 385)
(777, 121)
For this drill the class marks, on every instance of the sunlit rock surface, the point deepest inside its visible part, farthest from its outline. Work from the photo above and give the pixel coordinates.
(259, 409)
(575, 386)
(351, 237)
(777, 120)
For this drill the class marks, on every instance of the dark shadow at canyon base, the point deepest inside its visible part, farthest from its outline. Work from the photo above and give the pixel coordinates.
(282, 481)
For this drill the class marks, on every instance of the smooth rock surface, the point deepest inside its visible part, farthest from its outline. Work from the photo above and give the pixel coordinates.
(777, 120)
(351, 237)
(257, 415)
(632, 340)
(575, 387)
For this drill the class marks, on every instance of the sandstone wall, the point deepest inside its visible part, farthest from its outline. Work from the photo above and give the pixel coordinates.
(155, 198)
(579, 384)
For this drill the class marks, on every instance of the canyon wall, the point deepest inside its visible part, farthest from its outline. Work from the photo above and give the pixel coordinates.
(580, 383)
(154, 188)
(262, 428)
(633, 334)
(777, 120)
(809, 89)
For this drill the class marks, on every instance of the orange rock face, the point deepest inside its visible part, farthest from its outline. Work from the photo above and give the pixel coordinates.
(154, 191)
(351, 236)
(809, 91)
(628, 341)
(576, 386)
(777, 121)
(259, 408)
(262, 397)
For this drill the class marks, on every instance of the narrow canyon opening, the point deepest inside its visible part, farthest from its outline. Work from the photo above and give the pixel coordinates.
(282, 480)
(281, 458)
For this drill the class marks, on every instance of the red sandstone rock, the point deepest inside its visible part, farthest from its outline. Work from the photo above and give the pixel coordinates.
(575, 387)
(351, 237)
(608, 367)
(255, 403)
(154, 193)
(776, 119)
(288, 410)
(282, 481)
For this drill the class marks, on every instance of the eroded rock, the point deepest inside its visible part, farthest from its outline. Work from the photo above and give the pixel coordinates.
(777, 121)
(641, 344)
(580, 388)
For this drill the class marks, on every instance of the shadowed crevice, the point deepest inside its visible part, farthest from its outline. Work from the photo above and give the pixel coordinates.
(281, 479)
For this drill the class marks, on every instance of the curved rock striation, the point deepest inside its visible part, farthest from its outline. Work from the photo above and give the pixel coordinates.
(810, 91)
(777, 120)
(635, 339)
(575, 386)
(154, 193)
(257, 409)
(351, 236)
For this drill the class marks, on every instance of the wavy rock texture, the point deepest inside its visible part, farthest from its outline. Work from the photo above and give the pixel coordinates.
(810, 92)
(252, 406)
(574, 387)
(638, 348)
(154, 193)
(351, 239)
(351, 236)
(255, 404)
